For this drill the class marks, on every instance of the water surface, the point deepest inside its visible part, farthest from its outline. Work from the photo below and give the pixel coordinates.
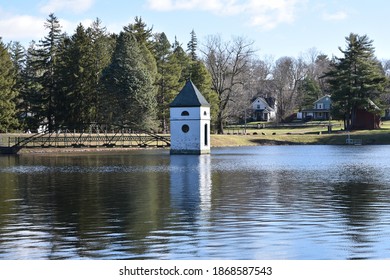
(272, 202)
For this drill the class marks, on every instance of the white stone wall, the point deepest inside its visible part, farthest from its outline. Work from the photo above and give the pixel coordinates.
(194, 140)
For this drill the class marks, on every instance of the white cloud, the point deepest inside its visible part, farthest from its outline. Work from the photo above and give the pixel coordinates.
(341, 15)
(266, 14)
(269, 14)
(171, 5)
(75, 6)
(69, 27)
(25, 28)
(21, 27)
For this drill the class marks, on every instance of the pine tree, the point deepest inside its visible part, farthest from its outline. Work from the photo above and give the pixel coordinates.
(102, 48)
(128, 87)
(184, 60)
(310, 92)
(7, 93)
(168, 84)
(76, 84)
(356, 79)
(143, 36)
(18, 56)
(192, 46)
(201, 78)
(45, 64)
(141, 32)
(31, 106)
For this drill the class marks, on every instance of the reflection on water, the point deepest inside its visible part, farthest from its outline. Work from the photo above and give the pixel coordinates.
(190, 183)
(282, 202)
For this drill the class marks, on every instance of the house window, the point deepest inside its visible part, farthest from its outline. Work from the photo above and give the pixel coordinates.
(185, 113)
(319, 106)
(185, 128)
(205, 113)
(258, 107)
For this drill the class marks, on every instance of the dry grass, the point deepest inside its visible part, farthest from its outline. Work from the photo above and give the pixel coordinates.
(314, 135)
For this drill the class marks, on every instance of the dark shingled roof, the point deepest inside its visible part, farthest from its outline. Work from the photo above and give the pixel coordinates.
(189, 96)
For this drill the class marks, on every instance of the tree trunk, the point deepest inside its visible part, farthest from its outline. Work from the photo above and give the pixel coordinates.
(353, 117)
(220, 129)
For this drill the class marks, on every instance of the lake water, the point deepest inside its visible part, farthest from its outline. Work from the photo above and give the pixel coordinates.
(269, 202)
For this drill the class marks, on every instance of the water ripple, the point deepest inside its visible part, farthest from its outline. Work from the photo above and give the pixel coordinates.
(246, 203)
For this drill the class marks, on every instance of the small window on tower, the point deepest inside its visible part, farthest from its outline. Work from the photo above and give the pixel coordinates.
(185, 113)
(205, 113)
(185, 128)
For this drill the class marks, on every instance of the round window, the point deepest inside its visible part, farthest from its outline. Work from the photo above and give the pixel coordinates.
(185, 128)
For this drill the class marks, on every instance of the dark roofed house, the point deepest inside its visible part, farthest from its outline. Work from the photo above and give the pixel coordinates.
(263, 109)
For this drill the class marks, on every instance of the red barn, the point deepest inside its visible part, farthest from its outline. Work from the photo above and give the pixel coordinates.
(367, 119)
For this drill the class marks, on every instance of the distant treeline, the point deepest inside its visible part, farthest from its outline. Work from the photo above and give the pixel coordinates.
(128, 79)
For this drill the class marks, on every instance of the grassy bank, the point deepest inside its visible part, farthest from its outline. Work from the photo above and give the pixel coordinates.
(296, 135)
(313, 134)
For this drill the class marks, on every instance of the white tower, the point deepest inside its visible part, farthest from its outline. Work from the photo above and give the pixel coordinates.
(190, 122)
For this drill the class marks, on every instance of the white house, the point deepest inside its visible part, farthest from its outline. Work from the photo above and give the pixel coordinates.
(190, 122)
(264, 109)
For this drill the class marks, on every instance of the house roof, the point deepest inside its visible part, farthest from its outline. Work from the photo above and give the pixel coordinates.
(189, 96)
(265, 102)
(323, 97)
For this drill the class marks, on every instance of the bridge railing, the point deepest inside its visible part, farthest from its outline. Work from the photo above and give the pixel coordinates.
(64, 140)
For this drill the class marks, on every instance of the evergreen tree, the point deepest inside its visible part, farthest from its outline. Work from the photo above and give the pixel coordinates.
(76, 84)
(128, 87)
(168, 84)
(102, 48)
(141, 32)
(7, 93)
(162, 46)
(356, 79)
(310, 92)
(31, 106)
(192, 46)
(45, 63)
(83, 57)
(201, 78)
(18, 56)
(184, 60)
(143, 36)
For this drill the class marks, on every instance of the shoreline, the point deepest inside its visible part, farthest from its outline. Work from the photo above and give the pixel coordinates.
(53, 150)
(259, 137)
(220, 141)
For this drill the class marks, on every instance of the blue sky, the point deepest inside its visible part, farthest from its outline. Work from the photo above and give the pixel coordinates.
(278, 27)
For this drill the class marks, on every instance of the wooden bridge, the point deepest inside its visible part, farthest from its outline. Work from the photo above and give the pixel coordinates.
(118, 139)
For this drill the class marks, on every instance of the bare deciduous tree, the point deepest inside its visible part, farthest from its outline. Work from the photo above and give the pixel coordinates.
(228, 64)
(287, 74)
